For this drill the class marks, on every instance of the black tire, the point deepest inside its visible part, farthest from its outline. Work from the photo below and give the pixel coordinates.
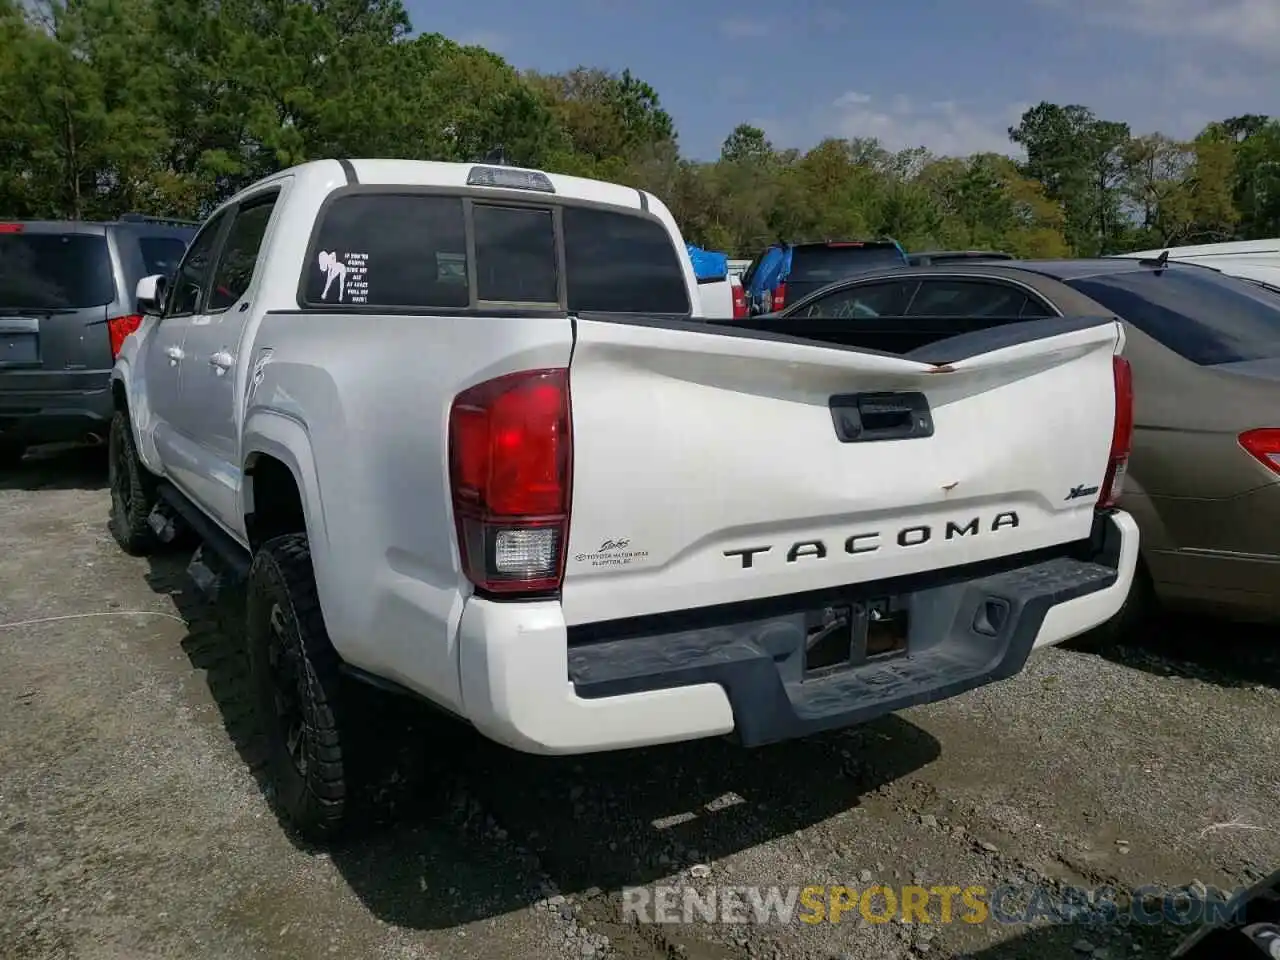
(133, 490)
(294, 674)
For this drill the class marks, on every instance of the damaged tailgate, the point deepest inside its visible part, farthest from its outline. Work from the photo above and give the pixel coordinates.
(716, 464)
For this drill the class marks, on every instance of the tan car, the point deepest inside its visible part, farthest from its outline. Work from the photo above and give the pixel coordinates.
(1204, 475)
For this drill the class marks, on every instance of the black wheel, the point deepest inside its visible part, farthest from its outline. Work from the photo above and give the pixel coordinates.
(133, 490)
(294, 672)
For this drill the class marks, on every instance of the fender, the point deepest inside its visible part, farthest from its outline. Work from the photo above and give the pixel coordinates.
(275, 434)
(1138, 504)
(126, 372)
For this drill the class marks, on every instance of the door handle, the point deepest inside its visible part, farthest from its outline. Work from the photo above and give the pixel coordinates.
(174, 353)
(221, 361)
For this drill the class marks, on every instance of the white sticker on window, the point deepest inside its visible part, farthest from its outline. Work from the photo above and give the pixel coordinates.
(346, 275)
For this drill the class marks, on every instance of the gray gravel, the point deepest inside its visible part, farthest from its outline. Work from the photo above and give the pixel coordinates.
(132, 823)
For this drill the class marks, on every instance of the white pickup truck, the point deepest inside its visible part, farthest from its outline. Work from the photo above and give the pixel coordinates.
(462, 432)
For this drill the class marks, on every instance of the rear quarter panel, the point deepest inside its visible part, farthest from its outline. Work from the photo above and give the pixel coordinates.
(361, 404)
(1200, 500)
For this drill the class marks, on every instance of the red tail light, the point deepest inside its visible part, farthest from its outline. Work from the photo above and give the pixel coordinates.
(10, 228)
(779, 296)
(1264, 444)
(120, 327)
(510, 470)
(1121, 435)
(739, 300)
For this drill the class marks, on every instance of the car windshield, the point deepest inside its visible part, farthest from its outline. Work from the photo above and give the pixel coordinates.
(54, 271)
(1204, 316)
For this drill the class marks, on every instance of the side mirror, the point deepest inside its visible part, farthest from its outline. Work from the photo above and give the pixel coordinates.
(150, 294)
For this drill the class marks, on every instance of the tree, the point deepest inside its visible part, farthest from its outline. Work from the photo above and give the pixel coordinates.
(746, 144)
(1256, 181)
(229, 91)
(605, 116)
(1079, 160)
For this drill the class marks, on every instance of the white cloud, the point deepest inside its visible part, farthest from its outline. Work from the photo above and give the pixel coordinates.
(945, 127)
(1251, 26)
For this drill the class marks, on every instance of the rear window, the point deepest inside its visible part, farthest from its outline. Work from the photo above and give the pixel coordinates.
(55, 271)
(828, 263)
(618, 263)
(1204, 316)
(410, 251)
(515, 255)
(161, 254)
(392, 251)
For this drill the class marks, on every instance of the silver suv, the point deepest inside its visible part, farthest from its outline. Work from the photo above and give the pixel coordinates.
(66, 305)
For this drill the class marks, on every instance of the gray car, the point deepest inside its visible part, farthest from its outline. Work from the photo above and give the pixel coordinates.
(1203, 480)
(66, 304)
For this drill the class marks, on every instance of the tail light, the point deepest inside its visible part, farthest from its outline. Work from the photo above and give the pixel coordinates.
(1264, 444)
(10, 228)
(120, 327)
(739, 300)
(1121, 435)
(779, 296)
(510, 469)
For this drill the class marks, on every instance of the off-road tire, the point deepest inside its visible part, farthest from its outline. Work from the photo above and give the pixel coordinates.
(312, 800)
(133, 490)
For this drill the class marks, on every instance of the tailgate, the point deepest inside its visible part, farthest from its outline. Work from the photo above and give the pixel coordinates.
(56, 284)
(707, 465)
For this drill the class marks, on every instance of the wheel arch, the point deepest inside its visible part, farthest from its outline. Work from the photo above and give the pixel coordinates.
(281, 484)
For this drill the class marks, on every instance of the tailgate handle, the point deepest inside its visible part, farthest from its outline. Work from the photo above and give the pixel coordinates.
(866, 417)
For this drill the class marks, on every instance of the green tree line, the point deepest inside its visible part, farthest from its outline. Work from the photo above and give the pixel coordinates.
(170, 106)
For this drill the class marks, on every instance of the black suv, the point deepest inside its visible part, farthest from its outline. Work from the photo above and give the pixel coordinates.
(66, 305)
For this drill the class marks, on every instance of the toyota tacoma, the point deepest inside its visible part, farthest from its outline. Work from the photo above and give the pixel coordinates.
(460, 431)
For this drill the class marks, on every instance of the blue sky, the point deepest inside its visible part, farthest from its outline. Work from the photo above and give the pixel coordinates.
(950, 75)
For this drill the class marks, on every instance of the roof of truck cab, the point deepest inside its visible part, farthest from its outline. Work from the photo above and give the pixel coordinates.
(332, 174)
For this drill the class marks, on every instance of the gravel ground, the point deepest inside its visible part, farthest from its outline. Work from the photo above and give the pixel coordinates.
(132, 823)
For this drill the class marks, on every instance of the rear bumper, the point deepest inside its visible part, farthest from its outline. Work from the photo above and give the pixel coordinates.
(525, 685)
(44, 407)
